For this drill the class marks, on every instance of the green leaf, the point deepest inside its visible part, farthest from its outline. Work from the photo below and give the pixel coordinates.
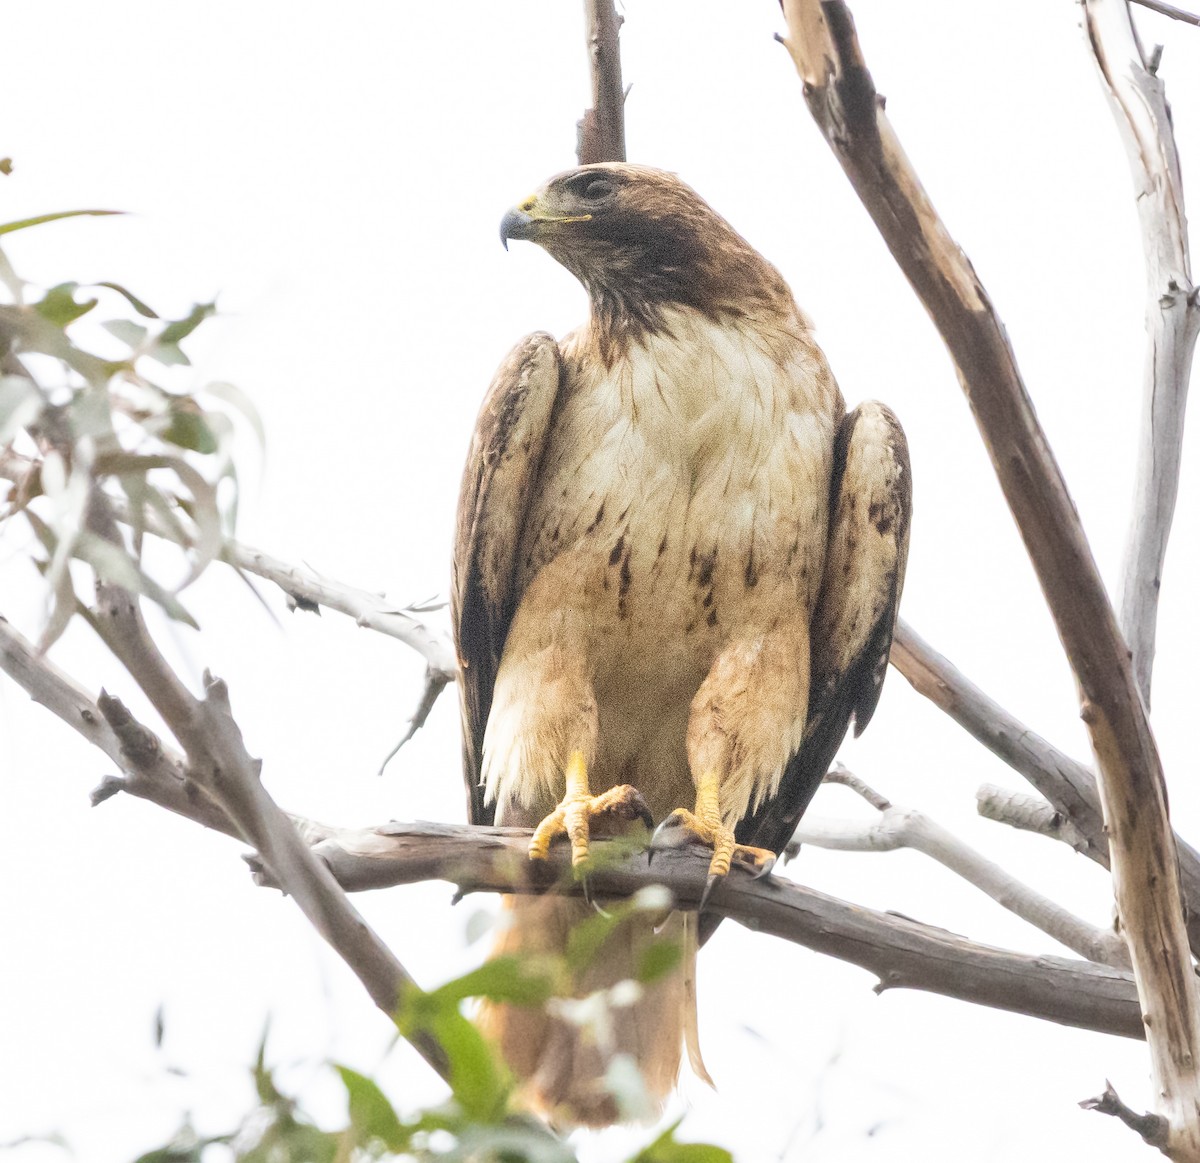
(513, 1142)
(25, 223)
(59, 305)
(657, 960)
(189, 429)
(234, 396)
(20, 405)
(127, 331)
(134, 301)
(6, 166)
(667, 1149)
(112, 564)
(169, 355)
(371, 1115)
(182, 328)
(476, 1078)
(203, 510)
(518, 980)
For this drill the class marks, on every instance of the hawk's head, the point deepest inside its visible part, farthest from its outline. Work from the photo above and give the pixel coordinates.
(640, 240)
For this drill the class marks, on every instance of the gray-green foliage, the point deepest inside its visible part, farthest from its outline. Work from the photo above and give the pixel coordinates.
(91, 434)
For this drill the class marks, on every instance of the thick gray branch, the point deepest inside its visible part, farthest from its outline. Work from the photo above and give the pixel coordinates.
(1139, 104)
(902, 953)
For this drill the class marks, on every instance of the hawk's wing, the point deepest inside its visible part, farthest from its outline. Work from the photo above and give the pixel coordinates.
(870, 506)
(498, 482)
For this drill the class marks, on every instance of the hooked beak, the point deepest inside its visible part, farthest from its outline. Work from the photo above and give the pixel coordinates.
(517, 223)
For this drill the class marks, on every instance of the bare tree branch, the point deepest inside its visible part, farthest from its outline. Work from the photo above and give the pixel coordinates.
(1081, 994)
(1152, 1128)
(217, 760)
(602, 130)
(1067, 784)
(901, 827)
(841, 96)
(1139, 104)
(367, 609)
(1026, 812)
(1164, 9)
(902, 953)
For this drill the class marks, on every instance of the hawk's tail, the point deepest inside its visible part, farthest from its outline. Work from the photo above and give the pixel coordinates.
(562, 1054)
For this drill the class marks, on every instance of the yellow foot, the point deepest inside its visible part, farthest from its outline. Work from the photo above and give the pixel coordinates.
(579, 807)
(706, 826)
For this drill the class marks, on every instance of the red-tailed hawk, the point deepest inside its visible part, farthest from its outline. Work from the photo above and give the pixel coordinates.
(677, 567)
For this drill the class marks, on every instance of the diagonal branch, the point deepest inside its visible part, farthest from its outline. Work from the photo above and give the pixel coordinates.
(1139, 105)
(218, 762)
(841, 96)
(1025, 812)
(1067, 784)
(901, 827)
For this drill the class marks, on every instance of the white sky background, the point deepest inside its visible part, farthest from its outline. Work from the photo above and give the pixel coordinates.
(338, 181)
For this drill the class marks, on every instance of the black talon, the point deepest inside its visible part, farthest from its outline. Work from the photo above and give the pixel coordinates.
(710, 884)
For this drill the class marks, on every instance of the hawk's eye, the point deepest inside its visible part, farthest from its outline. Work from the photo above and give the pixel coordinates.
(596, 190)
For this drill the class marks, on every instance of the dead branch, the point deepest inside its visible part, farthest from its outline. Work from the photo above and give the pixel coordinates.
(602, 130)
(902, 953)
(218, 761)
(1152, 1128)
(1072, 993)
(367, 609)
(1067, 784)
(1025, 812)
(1138, 101)
(1165, 9)
(901, 827)
(841, 96)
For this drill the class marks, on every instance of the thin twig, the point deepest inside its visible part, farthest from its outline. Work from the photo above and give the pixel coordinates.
(367, 609)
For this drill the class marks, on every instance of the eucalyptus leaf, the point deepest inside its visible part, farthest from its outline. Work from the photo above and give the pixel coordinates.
(25, 223)
(234, 396)
(168, 354)
(112, 564)
(134, 301)
(127, 331)
(21, 403)
(371, 1114)
(180, 329)
(519, 980)
(60, 306)
(190, 429)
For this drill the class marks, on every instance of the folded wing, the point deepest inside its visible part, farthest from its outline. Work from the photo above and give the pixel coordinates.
(870, 507)
(498, 482)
